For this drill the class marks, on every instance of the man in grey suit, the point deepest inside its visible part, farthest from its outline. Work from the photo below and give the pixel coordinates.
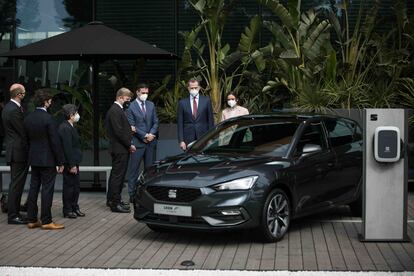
(142, 117)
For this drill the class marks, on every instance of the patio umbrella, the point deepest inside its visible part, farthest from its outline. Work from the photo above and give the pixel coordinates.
(93, 43)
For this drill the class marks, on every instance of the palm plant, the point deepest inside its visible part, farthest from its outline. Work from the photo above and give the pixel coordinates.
(300, 53)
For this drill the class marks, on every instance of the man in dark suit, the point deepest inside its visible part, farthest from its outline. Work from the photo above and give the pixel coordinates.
(195, 115)
(143, 117)
(46, 158)
(16, 151)
(70, 141)
(120, 145)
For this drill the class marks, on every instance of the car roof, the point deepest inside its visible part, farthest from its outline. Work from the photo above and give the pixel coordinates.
(291, 116)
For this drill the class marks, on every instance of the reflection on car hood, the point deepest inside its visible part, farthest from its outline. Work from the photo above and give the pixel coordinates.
(201, 170)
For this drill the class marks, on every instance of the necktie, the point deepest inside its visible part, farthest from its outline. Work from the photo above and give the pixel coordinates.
(194, 107)
(21, 109)
(143, 108)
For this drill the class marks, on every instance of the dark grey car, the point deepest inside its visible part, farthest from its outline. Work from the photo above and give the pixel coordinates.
(255, 172)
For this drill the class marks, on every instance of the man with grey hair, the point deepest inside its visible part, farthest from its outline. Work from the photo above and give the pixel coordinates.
(17, 148)
(73, 156)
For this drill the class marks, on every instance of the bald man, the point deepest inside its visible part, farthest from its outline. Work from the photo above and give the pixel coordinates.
(16, 151)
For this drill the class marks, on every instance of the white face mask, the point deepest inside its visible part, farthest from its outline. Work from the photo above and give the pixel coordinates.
(231, 103)
(143, 97)
(194, 92)
(77, 117)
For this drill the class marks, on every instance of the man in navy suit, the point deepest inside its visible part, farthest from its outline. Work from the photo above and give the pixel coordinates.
(46, 158)
(195, 115)
(142, 116)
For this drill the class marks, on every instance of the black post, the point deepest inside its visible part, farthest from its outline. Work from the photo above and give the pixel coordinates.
(95, 136)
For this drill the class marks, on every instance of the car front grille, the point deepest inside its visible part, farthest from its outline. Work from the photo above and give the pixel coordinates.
(173, 194)
(175, 219)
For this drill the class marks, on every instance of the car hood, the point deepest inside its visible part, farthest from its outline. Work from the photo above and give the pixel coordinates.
(201, 170)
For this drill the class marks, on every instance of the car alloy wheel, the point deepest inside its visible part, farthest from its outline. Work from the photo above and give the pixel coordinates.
(276, 216)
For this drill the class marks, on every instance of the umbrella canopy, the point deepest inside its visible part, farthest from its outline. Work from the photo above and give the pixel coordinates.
(94, 41)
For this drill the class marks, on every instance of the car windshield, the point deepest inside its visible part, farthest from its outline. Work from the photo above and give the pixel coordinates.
(259, 137)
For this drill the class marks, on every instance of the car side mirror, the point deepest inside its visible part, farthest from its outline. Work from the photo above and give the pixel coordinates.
(190, 145)
(310, 148)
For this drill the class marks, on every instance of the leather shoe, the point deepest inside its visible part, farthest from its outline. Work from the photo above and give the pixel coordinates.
(120, 209)
(70, 215)
(52, 226)
(125, 204)
(17, 220)
(34, 224)
(79, 213)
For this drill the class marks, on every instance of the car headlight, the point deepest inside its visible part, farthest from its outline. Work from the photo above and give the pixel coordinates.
(245, 183)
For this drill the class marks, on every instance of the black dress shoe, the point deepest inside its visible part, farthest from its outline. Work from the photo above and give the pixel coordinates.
(17, 220)
(119, 209)
(70, 215)
(125, 204)
(79, 213)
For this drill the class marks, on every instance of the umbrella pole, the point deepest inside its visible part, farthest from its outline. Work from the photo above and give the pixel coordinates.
(95, 136)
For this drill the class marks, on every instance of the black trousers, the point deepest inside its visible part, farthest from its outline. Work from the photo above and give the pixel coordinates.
(71, 191)
(41, 177)
(117, 177)
(18, 172)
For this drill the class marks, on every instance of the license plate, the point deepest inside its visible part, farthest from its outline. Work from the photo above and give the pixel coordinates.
(172, 210)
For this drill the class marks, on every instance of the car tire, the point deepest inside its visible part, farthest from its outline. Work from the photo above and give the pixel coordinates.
(157, 228)
(276, 215)
(356, 207)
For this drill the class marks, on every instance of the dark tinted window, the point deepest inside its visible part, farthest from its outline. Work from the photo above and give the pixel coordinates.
(264, 138)
(342, 132)
(312, 134)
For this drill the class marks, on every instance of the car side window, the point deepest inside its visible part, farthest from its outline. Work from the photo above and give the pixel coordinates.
(342, 132)
(312, 134)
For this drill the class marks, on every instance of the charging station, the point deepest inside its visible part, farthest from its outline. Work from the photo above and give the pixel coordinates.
(384, 192)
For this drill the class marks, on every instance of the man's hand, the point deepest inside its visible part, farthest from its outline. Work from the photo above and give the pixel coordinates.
(132, 148)
(73, 170)
(150, 137)
(59, 169)
(133, 129)
(183, 146)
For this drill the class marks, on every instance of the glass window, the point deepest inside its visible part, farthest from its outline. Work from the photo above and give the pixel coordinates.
(271, 139)
(342, 132)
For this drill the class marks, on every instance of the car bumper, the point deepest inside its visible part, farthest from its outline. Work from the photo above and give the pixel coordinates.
(209, 211)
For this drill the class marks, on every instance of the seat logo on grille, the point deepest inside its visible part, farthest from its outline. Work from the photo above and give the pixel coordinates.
(172, 193)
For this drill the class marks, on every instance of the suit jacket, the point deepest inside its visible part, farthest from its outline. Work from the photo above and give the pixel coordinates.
(144, 123)
(15, 135)
(118, 130)
(190, 129)
(45, 149)
(70, 141)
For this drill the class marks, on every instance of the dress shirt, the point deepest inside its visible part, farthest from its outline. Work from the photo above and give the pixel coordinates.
(191, 102)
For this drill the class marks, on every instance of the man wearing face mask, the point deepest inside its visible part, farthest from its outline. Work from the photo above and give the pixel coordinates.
(73, 156)
(46, 158)
(194, 116)
(16, 146)
(143, 117)
(120, 136)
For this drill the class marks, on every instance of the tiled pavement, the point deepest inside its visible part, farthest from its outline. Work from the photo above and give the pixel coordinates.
(104, 239)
